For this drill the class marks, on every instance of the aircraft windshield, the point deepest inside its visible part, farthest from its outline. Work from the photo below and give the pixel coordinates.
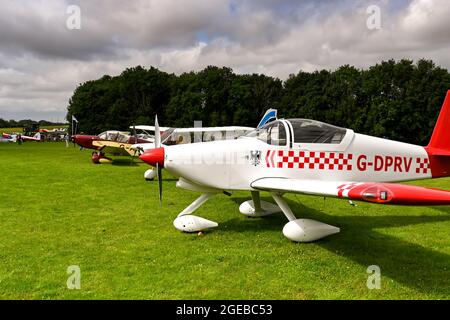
(114, 136)
(272, 133)
(311, 131)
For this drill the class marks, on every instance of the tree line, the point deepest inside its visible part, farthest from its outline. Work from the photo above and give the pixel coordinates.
(26, 123)
(398, 100)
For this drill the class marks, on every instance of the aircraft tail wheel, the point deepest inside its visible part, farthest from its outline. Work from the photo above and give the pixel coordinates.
(307, 230)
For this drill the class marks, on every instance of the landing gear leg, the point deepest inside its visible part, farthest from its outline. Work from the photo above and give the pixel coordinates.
(256, 207)
(196, 204)
(189, 223)
(302, 230)
(283, 206)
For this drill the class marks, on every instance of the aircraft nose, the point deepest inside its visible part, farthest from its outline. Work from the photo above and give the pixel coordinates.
(153, 157)
(76, 138)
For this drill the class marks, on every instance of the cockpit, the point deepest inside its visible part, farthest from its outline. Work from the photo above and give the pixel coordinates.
(117, 136)
(302, 130)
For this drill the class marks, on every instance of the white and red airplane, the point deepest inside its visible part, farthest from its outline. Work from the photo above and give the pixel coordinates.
(14, 137)
(308, 157)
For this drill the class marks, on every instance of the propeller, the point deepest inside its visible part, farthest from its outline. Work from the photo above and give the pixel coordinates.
(155, 158)
(158, 167)
(157, 133)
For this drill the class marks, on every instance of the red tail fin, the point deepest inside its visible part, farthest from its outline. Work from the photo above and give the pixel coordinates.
(439, 147)
(440, 140)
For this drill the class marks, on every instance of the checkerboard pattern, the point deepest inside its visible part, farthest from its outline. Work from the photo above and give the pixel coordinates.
(422, 165)
(344, 189)
(313, 160)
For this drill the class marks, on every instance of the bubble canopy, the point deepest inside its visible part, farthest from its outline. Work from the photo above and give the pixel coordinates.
(304, 131)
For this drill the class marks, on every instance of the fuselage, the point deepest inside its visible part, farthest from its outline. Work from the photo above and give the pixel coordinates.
(235, 164)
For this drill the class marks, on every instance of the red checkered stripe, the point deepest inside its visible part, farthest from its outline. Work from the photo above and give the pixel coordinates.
(422, 165)
(345, 188)
(309, 160)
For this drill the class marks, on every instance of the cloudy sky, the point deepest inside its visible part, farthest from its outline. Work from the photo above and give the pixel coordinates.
(45, 53)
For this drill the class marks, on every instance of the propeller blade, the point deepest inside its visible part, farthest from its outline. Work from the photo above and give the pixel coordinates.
(157, 133)
(159, 176)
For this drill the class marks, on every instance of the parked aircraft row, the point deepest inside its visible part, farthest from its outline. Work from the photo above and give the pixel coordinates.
(284, 156)
(119, 143)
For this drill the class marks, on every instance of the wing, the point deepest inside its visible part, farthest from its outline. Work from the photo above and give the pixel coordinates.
(115, 148)
(388, 193)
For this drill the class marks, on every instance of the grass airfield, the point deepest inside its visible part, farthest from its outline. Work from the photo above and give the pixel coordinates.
(58, 209)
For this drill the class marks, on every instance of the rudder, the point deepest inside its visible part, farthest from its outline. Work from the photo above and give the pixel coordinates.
(440, 139)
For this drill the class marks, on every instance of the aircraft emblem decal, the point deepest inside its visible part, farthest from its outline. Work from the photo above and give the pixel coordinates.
(255, 157)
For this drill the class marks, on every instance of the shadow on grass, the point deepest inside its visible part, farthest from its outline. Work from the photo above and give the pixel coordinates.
(124, 162)
(410, 264)
(445, 209)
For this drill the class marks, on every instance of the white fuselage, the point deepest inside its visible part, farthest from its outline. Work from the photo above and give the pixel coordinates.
(235, 164)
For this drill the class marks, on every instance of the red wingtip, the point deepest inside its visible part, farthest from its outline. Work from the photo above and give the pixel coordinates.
(401, 194)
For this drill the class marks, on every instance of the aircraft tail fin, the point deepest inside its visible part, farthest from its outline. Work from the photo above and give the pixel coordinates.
(440, 139)
(269, 115)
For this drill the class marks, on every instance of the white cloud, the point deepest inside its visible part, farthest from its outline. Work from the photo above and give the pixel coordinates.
(41, 61)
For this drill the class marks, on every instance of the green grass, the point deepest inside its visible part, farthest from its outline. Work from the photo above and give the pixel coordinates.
(58, 209)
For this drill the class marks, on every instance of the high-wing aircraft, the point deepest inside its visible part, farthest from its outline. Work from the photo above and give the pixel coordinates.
(35, 137)
(173, 136)
(6, 137)
(308, 157)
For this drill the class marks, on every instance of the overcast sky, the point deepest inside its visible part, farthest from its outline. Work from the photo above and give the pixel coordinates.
(42, 60)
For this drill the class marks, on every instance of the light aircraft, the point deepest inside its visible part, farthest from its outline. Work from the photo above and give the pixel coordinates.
(171, 136)
(308, 157)
(117, 143)
(35, 137)
(14, 137)
(6, 137)
(174, 136)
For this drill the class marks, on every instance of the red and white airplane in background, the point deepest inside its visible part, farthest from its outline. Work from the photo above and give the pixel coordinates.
(14, 137)
(308, 157)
